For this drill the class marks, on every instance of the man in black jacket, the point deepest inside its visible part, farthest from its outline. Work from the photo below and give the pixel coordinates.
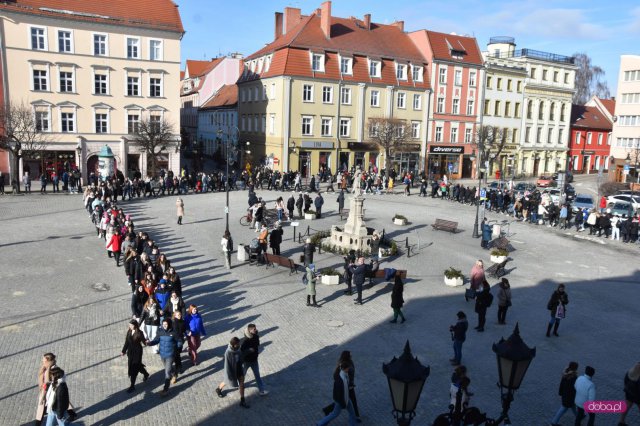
(291, 205)
(359, 271)
(341, 398)
(250, 349)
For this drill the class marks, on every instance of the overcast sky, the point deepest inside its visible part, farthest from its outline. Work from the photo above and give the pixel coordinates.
(604, 30)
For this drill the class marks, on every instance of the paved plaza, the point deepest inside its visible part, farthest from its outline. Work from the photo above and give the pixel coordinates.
(62, 294)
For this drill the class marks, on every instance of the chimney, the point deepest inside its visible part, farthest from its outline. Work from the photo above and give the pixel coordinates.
(325, 19)
(291, 18)
(278, 26)
(399, 25)
(367, 21)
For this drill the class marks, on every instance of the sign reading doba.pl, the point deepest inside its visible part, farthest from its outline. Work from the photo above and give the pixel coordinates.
(446, 149)
(605, 406)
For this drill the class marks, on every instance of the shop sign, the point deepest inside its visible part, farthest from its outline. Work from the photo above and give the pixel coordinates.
(317, 145)
(362, 146)
(437, 149)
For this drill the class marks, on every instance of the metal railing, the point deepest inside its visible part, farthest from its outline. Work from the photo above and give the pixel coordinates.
(536, 54)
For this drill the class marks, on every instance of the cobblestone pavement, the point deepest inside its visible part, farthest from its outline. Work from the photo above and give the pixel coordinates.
(62, 294)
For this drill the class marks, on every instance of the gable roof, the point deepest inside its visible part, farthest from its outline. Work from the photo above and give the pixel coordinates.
(444, 45)
(589, 117)
(609, 104)
(198, 68)
(226, 96)
(156, 14)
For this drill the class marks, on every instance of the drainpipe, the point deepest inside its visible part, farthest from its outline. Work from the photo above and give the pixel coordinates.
(338, 127)
(426, 139)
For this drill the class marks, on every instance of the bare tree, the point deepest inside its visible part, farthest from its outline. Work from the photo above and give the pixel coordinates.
(589, 80)
(389, 134)
(154, 137)
(21, 135)
(490, 140)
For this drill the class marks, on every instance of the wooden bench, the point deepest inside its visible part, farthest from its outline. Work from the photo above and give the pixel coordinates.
(501, 243)
(497, 269)
(274, 259)
(380, 274)
(445, 225)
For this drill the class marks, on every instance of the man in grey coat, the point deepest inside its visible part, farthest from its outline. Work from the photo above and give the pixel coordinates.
(359, 271)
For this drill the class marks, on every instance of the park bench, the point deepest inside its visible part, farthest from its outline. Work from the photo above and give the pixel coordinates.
(501, 243)
(445, 225)
(380, 274)
(497, 269)
(274, 259)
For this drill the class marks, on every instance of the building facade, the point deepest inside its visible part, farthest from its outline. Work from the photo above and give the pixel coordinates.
(91, 71)
(590, 141)
(626, 128)
(218, 122)
(305, 100)
(456, 73)
(546, 111)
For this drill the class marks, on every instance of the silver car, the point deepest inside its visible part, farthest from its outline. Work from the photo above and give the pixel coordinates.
(583, 201)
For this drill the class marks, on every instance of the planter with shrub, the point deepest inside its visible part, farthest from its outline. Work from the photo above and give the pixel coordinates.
(453, 277)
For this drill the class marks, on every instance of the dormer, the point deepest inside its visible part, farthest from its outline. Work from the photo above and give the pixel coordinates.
(317, 59)
(456, 49)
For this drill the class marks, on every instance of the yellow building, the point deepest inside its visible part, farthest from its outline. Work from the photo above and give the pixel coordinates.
(91, 70)
(305, 99)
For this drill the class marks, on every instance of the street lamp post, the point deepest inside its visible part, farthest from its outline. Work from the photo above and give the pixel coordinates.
(630, 211)
(484, 149)
(406, 377)
(231, 153)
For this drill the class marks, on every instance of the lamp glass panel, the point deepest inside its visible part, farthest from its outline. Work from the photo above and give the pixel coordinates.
(413, 394)
(505, 366)
(520, 370)
(398, 390)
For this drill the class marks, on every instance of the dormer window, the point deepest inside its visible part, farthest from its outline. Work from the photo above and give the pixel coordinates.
(260, 63)
(317, 62)
(253, 66)
(267, 63)
(416, 73)
(374, 68)
(401, 71)
(346, 66)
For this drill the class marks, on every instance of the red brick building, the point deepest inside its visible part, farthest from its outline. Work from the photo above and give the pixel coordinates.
(590, 143)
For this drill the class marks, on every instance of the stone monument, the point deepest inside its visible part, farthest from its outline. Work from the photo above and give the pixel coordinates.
(354, 234)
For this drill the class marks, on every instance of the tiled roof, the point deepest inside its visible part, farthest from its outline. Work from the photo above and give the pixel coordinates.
(157, 14)
(589, 118)
(181, 75)
(198, 68)
(226, 96)
(443, 44)
(609, 104)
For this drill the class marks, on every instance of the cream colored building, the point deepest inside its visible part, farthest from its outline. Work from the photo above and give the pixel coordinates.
(626, 126)
(91, 71)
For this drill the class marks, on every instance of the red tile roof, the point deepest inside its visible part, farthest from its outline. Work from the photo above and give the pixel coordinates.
(589, 118)
(226, 96)
(198, 68)
(181, 75)
(609, 104)
(156, 14)
(442, 46)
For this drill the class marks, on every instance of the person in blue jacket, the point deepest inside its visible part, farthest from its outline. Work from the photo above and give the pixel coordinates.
(168, 343)
(195, 331)
(162, 294)
(486, 230)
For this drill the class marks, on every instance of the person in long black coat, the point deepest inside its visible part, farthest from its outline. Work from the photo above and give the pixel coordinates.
(291, 205)
(133, 343)
(483, 301)
(397, 300)
(308, 250)
(340, 201)
(559, 298)
(275, 239)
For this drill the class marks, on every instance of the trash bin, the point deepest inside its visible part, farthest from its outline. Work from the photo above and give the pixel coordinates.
(498, 174)
(242, 253)
(496, 231)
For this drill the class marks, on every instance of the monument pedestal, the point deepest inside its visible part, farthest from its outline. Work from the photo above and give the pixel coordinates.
(354, 235)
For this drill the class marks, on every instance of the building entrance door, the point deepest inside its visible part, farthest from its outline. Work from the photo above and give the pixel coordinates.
(536, 165)
(304, 164)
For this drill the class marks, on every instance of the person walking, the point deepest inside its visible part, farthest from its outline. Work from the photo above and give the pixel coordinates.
(631, 391)
(227, 248)
(179, 210)
(250, 349)
(567, 392)
(233, 373)
(341, 399)
(180, 331)
(168, 343)
(299, 204)
(195, 332)
(585, 391)
(504, 300)
(318, 202)
(275, 238)
(310, 275)
(280, 208)
(57, 398)
(483, 301)
(486, 231)
(133, 349)
(397, 300)
(340, 201)
(44, 381)
(308, 249)
(291, 205)
(115, 244)
(557, 308)
(477, 277)
(458, 335)
(26, 180)
(358, 273)
(43, 183)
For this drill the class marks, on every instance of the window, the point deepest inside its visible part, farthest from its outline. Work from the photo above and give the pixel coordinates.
(456, 106)
(307, 126)
(544, 75)
(133, 48)
(550, 135)
(487, 106)
(416, 73)
(345, 127)
(264, 93)
(468, 135)
(155, 50)
(566, 78)
(345, 96)
(66, 81)
(533, 73)
(552, 114)
(272, 124)
(100, 84)
(67, 122)
(541, 110)
(345, 66)
(561, 112)
(489, 79)
(588, 138)
(154, 122)
(519, 86)
(470, 107)
(454, 135)
(415, 129)
(555, 76)
(498, 83)
(599, 138)
(100, 44)
(272, 95)
(38, 39)
(496, 109)
(417, 101)
(514, 136)
(401, 71)
(307, 93)
(325, 127)
(577, 138)
(529, 109)
(516, 110)
(374, 68)
(560, 136)
(64, 41)
(539, 135)
(440, 106)
(472, 78)
(527, 134)
(317, 62)
(507, 108)
(458, 78)
(155, 87)
(101, 123)
(374, 129)
(400, 131)
(40, 80)
(255, 94)
(133, 86)
(133, 123)
(443, 76)
(375, 98)
(438, 134)
(263, 123)
(509, 85)
(42, 121)
(401, 100)
(327, 94)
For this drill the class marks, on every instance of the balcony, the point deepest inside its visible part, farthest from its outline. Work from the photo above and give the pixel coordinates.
(537, 54)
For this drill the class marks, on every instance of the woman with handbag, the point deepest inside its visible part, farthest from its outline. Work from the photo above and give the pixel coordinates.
(477, 277)
(557, 309)
(504, 300)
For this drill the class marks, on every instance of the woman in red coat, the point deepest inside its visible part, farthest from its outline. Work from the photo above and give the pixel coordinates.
(114, 244)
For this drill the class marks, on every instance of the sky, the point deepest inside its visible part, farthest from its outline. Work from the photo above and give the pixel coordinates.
(601, 29)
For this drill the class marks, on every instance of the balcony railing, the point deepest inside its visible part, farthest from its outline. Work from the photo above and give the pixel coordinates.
(502, 39)
(536, 54)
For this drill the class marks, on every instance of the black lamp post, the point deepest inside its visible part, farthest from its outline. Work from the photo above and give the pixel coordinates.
(231, 151)
(631, 200)
(514, 358)
(406, 377)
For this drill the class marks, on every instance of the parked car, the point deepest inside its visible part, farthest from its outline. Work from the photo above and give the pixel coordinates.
(569, 192)
(621, 208)
(524, 186)
(625, 198)
(568, 176)
(545, 181)
(583, 201)
(497, 185)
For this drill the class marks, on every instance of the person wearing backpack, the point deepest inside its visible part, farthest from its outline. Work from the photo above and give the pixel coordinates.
(227, 248)
(484, 298)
